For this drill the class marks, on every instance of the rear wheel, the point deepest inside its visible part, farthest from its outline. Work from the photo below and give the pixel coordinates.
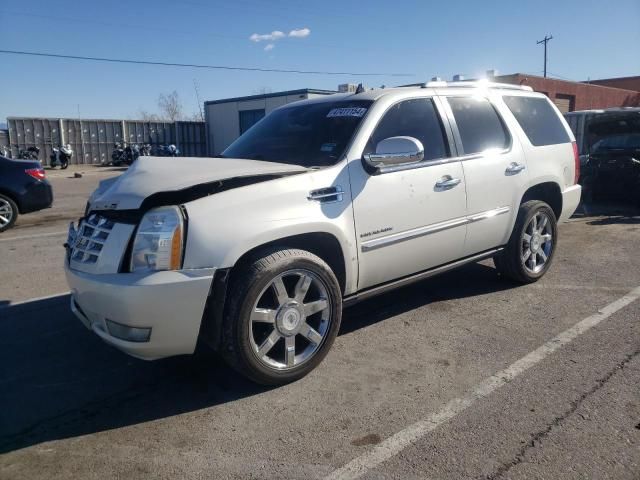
(531, 248)
(283, 315)
(8, 213)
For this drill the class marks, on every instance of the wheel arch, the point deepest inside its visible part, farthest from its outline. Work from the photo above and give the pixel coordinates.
(323, 244)
(548, 192)
(12, 196)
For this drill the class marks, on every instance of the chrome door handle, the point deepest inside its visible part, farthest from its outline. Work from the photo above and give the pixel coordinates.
(514, 168)
(447, 182)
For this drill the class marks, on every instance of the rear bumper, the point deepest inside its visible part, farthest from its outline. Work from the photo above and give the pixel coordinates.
(171, 304)
(570, 201)
(36, 196)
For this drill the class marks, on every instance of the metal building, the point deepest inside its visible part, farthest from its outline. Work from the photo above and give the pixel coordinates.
(92, 141)
(229, 118)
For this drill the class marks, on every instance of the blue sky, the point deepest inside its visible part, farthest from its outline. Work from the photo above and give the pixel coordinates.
(592, 39)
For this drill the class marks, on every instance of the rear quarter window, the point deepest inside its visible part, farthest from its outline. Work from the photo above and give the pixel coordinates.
(538, 119)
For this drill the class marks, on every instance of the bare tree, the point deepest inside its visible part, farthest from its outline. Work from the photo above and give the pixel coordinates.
(170, 106)
(147, 116)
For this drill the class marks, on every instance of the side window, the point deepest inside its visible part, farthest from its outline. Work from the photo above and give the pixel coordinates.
(538, 119)
(479, 125)
(416, 118)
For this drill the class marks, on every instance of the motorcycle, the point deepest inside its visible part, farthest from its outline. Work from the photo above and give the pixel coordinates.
(61, 157)
(168, 151)
(124, 154)
(145, 150)
(30, 153)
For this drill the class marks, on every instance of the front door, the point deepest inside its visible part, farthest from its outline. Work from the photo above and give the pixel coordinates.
(412, 219)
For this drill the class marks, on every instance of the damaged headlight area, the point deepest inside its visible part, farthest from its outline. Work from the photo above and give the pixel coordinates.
(159, 241)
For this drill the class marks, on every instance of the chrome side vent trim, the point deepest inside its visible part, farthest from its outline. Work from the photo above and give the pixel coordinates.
(327, 195)
(430, 229)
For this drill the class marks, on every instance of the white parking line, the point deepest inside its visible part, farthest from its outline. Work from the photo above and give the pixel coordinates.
(404, 438)
(37, 235)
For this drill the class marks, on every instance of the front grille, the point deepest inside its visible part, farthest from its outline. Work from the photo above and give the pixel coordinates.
(92, 235)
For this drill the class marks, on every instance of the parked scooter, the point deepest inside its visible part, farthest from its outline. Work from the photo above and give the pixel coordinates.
(61, 157)
(30, 153)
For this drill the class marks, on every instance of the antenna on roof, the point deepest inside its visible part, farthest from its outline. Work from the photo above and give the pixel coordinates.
(360, 89)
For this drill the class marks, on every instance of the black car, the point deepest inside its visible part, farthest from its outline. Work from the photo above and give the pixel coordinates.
(23, 189)
(609, 142)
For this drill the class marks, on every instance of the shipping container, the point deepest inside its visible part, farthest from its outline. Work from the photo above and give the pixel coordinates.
(93, 141)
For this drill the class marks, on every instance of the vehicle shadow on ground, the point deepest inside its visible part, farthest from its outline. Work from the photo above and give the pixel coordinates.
(57, 380)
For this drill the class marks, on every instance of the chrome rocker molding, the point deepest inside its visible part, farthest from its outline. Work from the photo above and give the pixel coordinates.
(429, 229)
(416, 277)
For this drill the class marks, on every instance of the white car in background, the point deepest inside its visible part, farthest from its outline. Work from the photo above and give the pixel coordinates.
(322, 203)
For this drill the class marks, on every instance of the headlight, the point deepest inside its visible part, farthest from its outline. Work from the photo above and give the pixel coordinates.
(159, 240)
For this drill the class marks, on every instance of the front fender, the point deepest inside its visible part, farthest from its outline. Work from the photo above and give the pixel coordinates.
(223, 227)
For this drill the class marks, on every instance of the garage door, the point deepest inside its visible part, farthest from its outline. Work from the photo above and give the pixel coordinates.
(564, 103)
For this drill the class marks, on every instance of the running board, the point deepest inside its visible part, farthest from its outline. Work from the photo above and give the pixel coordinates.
(402, 282)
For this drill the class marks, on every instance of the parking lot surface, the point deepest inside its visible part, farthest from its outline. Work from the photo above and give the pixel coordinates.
(465, 375)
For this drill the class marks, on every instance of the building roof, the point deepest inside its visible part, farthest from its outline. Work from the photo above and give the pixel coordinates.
(302, 91)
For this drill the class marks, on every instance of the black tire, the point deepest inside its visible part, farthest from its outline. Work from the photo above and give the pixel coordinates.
(248, 286)
(7, 208)
(64, 164)
(510, 261)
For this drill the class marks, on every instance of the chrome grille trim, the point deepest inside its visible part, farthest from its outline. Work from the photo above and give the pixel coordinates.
(93, 233)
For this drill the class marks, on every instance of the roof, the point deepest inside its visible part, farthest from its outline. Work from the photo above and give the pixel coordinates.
(302, 91)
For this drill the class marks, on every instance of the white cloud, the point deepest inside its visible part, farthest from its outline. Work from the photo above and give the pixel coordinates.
(269, 46)
(271, 37)
(300, 33)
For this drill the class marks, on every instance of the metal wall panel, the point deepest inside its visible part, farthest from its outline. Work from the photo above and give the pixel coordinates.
(92, 141)
(4, 142)
(190, 137)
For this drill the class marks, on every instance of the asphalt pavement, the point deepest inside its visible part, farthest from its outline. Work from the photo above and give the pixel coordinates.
(465, 375)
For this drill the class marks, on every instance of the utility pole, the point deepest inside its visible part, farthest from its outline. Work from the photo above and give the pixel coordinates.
(545, 40)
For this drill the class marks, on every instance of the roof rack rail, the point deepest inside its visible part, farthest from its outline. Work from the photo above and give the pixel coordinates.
(478, 83)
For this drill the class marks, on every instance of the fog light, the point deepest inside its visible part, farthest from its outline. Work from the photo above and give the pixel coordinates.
(130, 334)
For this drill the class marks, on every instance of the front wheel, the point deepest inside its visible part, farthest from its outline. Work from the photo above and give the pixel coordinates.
(532, 245)
(282, 316)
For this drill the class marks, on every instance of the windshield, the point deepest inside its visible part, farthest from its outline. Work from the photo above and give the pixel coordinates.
(620, 133)
(311, 135)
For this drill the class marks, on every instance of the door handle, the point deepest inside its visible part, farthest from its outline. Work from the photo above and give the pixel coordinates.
(447, 182)
(514, 168)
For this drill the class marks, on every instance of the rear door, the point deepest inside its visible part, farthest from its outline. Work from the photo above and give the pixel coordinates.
(494, 169)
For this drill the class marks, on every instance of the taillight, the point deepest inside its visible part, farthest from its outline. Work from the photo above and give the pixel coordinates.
(576, 157)
(37, 173)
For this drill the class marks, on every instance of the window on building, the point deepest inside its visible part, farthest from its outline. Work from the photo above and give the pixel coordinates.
(538, 119)
(248, 118)
(416, 118)
(479, 125)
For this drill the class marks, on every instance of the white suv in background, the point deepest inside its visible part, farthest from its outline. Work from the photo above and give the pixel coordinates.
(322, 203)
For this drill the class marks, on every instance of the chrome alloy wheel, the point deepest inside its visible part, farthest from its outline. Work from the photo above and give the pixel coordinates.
(6, 213)
(537, 242)
(290, 319)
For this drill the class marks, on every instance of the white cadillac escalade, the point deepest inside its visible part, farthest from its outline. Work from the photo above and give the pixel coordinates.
(322, 203)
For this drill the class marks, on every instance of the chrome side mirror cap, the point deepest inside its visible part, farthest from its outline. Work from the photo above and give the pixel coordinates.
(394, 151)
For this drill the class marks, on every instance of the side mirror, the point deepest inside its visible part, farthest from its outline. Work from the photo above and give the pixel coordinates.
(395, 151)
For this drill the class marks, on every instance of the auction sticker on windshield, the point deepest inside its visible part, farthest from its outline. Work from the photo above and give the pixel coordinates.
(347, 112)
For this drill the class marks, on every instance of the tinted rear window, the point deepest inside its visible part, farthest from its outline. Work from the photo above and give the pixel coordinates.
(479, 125)
(538, 119)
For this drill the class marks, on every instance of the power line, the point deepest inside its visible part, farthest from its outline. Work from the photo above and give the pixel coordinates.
(195, 65)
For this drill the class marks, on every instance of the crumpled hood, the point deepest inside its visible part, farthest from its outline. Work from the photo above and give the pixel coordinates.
(149, 175)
